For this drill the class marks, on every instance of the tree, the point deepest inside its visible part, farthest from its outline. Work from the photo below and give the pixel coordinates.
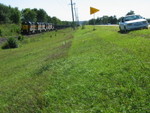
(15, 15)
(113, 20)
(91, 22)
(49, 19)
(4, 14)
(56, 21)
(9, 14)
(104, 20)
(41, 15)
(29, 15)
(130, 13)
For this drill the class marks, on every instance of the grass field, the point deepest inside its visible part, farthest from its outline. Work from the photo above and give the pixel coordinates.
(82, 71)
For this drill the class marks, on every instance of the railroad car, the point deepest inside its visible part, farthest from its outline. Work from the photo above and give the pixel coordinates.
(61, 26)
(28, 28)
(49, 26)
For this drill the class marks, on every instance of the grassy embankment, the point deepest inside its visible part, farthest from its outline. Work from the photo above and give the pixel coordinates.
(81, 71)
(7, 30)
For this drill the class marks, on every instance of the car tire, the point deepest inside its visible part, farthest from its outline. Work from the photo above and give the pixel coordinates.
(120, 29)
(125, 29)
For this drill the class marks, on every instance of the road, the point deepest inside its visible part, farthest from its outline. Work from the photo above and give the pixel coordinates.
(114, 25)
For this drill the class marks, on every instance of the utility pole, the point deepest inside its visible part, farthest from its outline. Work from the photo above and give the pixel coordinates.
(72, 15)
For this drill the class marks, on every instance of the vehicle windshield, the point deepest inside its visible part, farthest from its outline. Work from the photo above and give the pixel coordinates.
(134, 17)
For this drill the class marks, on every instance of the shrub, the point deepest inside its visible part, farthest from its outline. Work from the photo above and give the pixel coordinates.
(11, 43)
(20, 37)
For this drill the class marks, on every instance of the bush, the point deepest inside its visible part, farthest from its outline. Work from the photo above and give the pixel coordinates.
(20, 37)
(11, 43)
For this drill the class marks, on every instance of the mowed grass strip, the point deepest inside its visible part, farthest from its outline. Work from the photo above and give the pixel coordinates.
(22, 78)
(82, 71)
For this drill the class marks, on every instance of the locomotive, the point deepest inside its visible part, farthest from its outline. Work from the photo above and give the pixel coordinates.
(35, 27)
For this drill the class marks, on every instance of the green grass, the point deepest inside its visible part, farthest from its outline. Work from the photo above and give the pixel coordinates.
(7, 30)
(82, 71)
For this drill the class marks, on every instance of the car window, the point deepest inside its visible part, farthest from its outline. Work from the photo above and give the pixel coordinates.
(129, 18)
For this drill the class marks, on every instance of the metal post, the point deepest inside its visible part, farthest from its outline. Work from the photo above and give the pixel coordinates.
(94, 22)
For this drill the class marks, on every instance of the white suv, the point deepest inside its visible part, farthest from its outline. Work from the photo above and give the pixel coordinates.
(132, 22)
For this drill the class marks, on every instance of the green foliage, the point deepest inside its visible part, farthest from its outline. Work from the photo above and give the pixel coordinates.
(15, 15)
(20, 38)
(9, 14)
(4, 13)
(29, 15)
(56, 21)
(9, 30)
(41, 15)
(11, 43)
(104, 20)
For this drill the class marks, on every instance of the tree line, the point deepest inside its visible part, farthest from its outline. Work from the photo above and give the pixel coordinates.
(109, 19)
(9, 14)
(104, 20)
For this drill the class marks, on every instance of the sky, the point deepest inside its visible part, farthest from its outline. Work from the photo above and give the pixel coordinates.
(62, 8)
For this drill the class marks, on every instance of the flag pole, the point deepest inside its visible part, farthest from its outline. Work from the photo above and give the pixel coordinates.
(93, 11)
(94, 22)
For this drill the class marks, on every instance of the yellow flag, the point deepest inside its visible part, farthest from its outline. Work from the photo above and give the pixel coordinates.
(93, 10)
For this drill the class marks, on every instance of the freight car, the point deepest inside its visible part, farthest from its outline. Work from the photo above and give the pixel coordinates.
(61, 26)
(32, 27)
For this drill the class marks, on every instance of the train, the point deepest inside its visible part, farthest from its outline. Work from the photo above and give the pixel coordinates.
(35, 27)
(38, 27)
